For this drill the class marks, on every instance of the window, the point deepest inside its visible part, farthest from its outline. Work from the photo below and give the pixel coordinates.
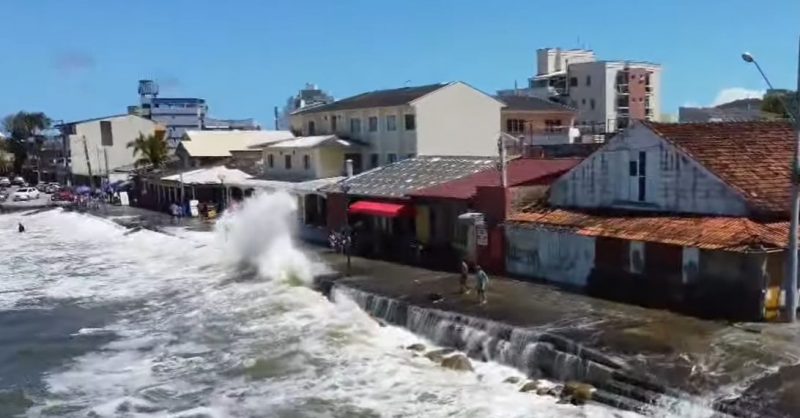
(515, 125)
(271, 161)
(391, 158)
(391, 123)
(334, 120)
(355, 125)
(552, 124)
(373, 123)
(373, 160)
(591, 103)
(306, 162)
(287, 162)
(311, 128)
(106, 139)
(573, 81)
(583, 102)
(588, 80)
(410, 122)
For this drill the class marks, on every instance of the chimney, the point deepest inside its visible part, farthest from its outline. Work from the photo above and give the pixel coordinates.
(348, 164)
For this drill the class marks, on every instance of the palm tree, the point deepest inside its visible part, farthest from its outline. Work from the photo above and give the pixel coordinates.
(151, 148)
(24, 126)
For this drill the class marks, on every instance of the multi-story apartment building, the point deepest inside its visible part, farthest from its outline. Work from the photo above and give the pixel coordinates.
(99, 146)
(451, 119)
(309, 96)
(181, 114)
(607, 95)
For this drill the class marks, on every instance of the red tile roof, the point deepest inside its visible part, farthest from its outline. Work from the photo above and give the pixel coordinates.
(754, 158)
(711, 233)
(522, 171)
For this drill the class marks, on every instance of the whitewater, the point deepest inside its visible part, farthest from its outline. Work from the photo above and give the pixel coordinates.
(101, 322)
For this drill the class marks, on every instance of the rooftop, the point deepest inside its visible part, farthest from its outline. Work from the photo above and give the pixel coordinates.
(754, 158)
(406, 176)
(528, 103)
(710, 233)
(378, 98)
(220, 143)
(522, 171)
(210, 175)
(315, 141)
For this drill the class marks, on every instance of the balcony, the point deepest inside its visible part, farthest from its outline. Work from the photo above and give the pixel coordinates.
(548, 136)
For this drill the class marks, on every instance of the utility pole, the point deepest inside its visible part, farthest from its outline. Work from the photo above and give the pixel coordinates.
(88, 162)
(791, 282)
(501, 150)
(105, 157)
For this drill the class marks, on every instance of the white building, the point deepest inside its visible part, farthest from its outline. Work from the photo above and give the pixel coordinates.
(439, 119)
(99, 146)
(608, 95)
(308, 158)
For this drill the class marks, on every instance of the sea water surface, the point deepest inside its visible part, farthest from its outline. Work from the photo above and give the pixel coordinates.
(96, 321)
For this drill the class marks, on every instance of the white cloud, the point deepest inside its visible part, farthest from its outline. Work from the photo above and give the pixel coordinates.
(735, 93)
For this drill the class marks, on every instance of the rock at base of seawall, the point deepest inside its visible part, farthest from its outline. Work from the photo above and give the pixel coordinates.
(530, 386)
(416, 347)
(458, 362)
(577, 393)
(437, 356)
(513, 380)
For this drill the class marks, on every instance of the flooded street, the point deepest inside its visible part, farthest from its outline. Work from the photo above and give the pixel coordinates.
(97, 321)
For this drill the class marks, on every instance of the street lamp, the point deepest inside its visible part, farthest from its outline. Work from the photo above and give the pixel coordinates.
(791, 276)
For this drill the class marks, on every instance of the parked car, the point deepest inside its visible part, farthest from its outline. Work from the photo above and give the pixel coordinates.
(26, 193)
(52, 188)
(3, 195)
(41, 187)
(63, 195)
(5, 182)
(18, 181)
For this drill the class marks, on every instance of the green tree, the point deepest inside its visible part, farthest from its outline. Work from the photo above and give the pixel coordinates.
(25, 129)
(151, 149)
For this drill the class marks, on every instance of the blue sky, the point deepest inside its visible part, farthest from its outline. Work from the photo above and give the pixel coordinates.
(79, 59)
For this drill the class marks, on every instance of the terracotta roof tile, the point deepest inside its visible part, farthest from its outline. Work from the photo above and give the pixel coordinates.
(711, 233)
(521, 171)
(752, 157)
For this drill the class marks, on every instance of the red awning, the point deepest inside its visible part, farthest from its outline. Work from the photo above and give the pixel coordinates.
(387, 210)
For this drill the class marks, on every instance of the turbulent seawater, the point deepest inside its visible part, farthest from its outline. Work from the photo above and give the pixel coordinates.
(99, 322)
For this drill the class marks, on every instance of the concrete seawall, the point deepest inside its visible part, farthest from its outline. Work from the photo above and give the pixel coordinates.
(536, 352)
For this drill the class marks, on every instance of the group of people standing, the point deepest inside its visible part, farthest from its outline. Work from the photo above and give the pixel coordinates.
(481, 281)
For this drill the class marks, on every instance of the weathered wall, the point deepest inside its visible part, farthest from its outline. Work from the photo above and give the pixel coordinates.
(673, 182)
(558, 256)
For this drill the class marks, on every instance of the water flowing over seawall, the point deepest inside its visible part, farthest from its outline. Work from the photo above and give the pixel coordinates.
(536, 353)
(98, 320)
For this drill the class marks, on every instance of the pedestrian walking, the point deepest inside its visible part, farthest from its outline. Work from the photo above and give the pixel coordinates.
(463, 278)
(482, 283)
(21, 227)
